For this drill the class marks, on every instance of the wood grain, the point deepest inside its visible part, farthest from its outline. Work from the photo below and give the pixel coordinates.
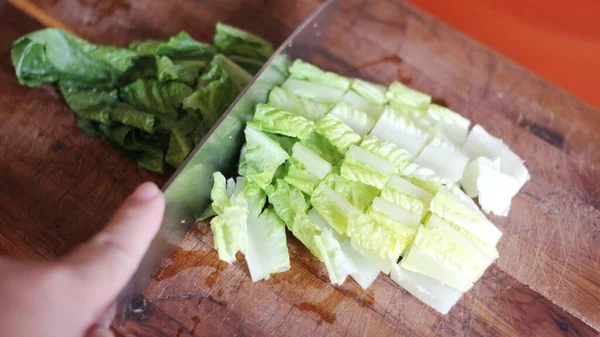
(57, 187)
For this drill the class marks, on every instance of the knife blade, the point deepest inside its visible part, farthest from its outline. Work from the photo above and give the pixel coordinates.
(187, 193)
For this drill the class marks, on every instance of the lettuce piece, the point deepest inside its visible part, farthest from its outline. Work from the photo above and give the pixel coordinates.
(51, 55)
(337, 133)
(239, 75)
(366, 272)
(423, 177)
(210, 101)
(453, 126)
(382, 264)
(336, 210)
(311, 161)
(261, 158)
(234, 41)
(255, 197)
(357, 120)
(410, 197)
(361, 269)
(428, 290)
(230, 229)
(314, 91)
(285, 100)
(361, 103)
(402, 130)
(337, 264)
(308, 72)
(398, 93)
(395, 213)
(271, 119)
(299, 177)
(183, 47)
(480, 143)
(308, 232)
(365, 167)
(321, 146)
(466, 219)
(155, 97)
(267, 251)
(377, 242)
(387, 150)
(287, 201)
(374, 93)
(482, 256)
(356, 193)
(483, 178)
(444, 159)
(306, 169)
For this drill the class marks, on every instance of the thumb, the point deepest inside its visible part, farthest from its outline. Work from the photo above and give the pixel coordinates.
(103, 265)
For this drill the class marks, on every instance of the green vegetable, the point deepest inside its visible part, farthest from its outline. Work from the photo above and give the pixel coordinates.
(51, 55)
(374, 93)
(230, 229)
(398, 93)
(267, 251)
(287, 201)
(357, 120)
(401, 129)
(285, 100)
(306, 169)
(271, 119)
(358, 194)
(308, 72)
(243, 46)
(155, 97)
(337, 133)
(262, 158)
(336, 210)
(365, 167)
(313, 91)
(387, 150)
(323, 148)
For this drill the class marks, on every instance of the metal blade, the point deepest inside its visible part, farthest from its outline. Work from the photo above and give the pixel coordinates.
(187, 193)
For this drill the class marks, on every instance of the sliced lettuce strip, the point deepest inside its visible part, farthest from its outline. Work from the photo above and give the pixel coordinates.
(306, 71)
(402, 130)
(267, 251)
(361, 103)
(271, 119)
(261, 158)
(285, 100)
(356, 193)
(365, 167)
(398, 93)
(337, 133)
(374, 93)
(452, 125)
(444, 159)
(314, 91)
(357, 120)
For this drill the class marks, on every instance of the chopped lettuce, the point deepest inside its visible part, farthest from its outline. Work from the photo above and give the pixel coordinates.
(271, 119)
(255, 197)
(361, 103)
(376, 241)
(314, 91)
(299, 177)
(480, 143)
(308, 72)
(402, 130)
(366, 272)
(482, 178)
(398, 93)
(337, 133)
(387, 150)
(405, 194)
(335, 260)
(464, 218)
(356, 193)
(287, 201)
(267, 251)
(307, 231)
(285, 100)
(242, 44)
(374, 93)
(261, 158)
(306, 169)
(357, 120)
(366, 167)
(230, 228)
(432, 292)
(393, 212)
(321, 146)
(444, 159)
(452, 125)
(336, 210)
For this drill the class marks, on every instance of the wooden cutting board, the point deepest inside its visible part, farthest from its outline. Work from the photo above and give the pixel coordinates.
(58, 187)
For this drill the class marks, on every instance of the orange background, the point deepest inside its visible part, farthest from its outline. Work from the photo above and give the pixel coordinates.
(559, 40)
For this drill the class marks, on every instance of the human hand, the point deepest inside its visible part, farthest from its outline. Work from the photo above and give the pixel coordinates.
(75, 296)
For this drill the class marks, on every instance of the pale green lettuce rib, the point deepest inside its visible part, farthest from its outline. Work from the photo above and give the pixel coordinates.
(308, 72)
(285, 100)
(337, 132)
(271, 119)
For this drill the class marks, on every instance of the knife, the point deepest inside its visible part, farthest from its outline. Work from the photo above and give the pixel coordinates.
(187, 193)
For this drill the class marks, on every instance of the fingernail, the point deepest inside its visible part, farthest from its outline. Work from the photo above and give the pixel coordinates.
(146, 191)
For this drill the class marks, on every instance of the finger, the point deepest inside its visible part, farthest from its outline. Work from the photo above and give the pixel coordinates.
(103, 265)
(98, 331)
(107, 316)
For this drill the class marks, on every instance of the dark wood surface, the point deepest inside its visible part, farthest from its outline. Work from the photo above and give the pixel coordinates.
(57, 187)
